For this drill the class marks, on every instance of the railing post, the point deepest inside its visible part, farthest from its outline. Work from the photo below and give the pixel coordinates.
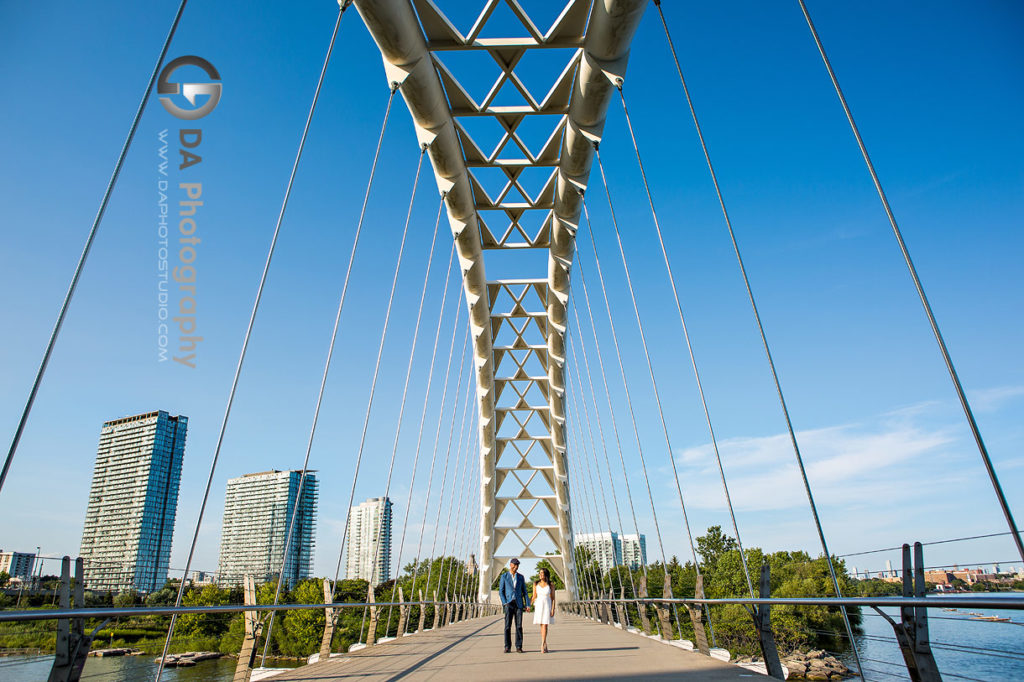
(912, 631)
(447, 609)
(423, 613)
(371, 630)
(662, 610)
(437, 613)
(697, 618)
(403, 613)
(253, 626)
(763, 624)
(72, 642)
(330, 623)
(641, 607)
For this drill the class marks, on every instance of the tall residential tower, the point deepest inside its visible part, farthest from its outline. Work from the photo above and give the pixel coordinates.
(369, 533)
(129, 523)
(257, 511)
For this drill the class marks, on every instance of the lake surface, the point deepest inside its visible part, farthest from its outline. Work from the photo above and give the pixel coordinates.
(976, 650)
(964, 649)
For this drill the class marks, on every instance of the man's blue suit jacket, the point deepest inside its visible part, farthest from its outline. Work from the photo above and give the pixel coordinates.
(509, 590)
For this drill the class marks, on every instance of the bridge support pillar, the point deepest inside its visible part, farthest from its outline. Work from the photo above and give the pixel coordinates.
(912, 630)
(700, 635)
(253, 627)
(72, 642)
(763, 624)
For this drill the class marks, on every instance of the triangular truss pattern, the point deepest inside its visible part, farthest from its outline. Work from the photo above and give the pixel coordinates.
(510, 154)
(519, 189)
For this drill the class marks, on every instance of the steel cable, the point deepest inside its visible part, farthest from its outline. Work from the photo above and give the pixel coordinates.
(88, 245)
(654, 384)
(437, 436)
(426, 402)
(961, 395)
(764, 338)
(597, 412)
(302, 477)
(252, 319)
(408, 373)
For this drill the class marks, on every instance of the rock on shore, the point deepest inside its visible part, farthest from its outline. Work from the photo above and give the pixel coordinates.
(813, 665)
(188, 659)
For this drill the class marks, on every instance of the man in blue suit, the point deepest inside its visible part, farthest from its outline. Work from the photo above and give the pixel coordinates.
(512, 591)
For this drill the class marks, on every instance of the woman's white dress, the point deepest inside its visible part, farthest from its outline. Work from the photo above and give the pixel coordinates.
(542, 614)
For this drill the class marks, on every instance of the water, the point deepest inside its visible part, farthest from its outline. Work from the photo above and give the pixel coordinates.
(963, 648)
(121, 669)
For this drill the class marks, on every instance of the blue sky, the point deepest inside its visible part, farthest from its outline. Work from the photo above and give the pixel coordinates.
(936, 89)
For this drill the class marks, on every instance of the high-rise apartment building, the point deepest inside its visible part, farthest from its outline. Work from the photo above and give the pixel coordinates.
(17, 564)
(129, 523)
(610, 549)
(369, 541)
(258, 509)
(633, 549)
(603, 547)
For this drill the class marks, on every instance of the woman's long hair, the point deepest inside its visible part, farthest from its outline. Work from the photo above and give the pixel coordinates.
(544, 575)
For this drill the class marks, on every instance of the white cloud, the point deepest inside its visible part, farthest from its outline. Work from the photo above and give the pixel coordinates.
(858, 462)
(992, 399)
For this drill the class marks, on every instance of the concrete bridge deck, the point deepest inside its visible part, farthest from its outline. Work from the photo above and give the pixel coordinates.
(472, 650)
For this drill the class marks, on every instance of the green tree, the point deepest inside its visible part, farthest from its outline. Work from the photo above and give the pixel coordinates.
(556, 581)
(204, 624)
(5, 577)
(300, 632)
(125, 600)
(712, 545)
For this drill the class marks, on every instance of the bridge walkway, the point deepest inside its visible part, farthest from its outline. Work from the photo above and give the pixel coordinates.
(472, 650)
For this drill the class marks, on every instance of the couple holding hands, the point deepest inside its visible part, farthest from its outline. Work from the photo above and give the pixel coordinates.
(512, 591)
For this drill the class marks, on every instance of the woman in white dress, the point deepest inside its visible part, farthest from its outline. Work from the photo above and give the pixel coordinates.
(544, 607)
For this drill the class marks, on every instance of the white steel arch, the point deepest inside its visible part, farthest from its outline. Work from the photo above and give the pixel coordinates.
(522, 439)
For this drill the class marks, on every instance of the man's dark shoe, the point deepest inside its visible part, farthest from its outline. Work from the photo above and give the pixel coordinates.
(519, 650)
(507, 649)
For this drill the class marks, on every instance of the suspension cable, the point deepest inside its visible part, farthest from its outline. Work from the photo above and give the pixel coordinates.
(437, 438)
(408, 374)
(433, 460)
(590, 477)
(387, 318)
(622, 372)
(252, 320)
(464, 487)
(961, 395)
(654, 383)
(597, 412)
(458, 480)
(686, 337)
(764, 338)
(444, 476)
(405, 388)
(593, 517)
(363, 622)
(88, 247)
